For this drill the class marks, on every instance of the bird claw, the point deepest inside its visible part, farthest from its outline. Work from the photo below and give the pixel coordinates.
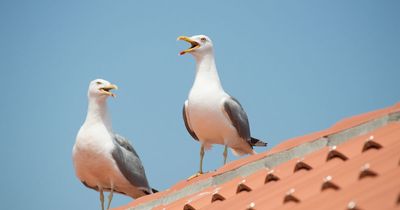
(195, 175)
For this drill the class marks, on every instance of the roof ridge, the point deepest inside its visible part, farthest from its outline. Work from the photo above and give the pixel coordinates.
(364, 117)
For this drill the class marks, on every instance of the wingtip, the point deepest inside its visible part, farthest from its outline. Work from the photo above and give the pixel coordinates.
(147, 192)
(257, 142)
(261, 144)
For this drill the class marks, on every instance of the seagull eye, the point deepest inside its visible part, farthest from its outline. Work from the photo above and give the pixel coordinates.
(203, 39)
(99, 83)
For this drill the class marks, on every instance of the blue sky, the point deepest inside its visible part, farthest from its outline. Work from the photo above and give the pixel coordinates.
(296, 67)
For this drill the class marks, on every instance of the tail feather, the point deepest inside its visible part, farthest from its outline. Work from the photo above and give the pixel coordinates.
(257, 142)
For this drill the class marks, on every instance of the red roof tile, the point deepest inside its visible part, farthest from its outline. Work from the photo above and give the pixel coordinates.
(355, 164)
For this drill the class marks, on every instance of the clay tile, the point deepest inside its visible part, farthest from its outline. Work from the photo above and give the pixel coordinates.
(251, 206)
(217, 197)
(352, 205)
(329, 184)
(333, 153)
(271, 177)
(366, 172)
(242, 187)
(290, 197)
(301, 165)
(371, 144)
(188, 207)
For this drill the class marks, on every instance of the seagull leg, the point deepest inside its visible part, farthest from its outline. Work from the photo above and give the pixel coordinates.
(225, 154)
(110, 197)
(201, 164)
(101, 198)
(201, 159)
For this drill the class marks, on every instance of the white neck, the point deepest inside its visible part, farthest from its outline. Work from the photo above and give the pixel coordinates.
(206, 71)
(97, 112)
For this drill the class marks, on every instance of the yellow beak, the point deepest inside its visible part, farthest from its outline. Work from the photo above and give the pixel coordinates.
(106, 89)
(194, 44)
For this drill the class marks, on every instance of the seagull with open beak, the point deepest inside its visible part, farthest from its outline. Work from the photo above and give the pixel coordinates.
(105, 161)
(211, 115)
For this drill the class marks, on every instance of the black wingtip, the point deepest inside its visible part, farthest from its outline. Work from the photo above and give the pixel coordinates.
(257, 142)
(152, 191)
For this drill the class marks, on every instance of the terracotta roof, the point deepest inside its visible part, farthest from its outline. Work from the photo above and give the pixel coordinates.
(355, 164)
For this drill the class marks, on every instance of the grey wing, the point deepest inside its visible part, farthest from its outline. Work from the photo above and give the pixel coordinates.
(187, 123)
(238, 117)
(129, 163)
(125, 144)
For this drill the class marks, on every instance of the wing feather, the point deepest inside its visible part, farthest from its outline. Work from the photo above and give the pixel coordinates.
(238, 117)
(129, 163)
(187, 122)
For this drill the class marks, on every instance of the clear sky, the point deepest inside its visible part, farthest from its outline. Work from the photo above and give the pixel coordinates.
(296, 67)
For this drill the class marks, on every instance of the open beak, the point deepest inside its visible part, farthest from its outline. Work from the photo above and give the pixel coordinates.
(106, 90)
(194, 44)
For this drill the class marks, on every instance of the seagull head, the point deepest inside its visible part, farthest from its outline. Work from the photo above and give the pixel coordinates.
(200, 45)
(100, 88)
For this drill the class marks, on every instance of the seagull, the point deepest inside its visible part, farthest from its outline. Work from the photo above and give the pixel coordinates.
(212, 116)
(105, 161)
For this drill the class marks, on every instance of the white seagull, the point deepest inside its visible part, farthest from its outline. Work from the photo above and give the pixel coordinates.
(212, 116)
(103, 160)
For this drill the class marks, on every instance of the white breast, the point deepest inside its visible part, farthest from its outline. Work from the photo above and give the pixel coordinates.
(206, 115)
(92, 156)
